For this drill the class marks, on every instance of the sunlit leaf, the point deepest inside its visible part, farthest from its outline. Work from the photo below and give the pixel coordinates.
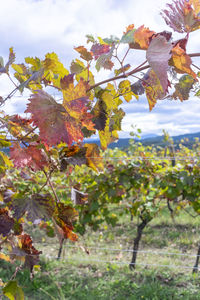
(183, 87)
(85, 54)
(153, 88)
(180, 60)
(126, 91)
(13, 291)
(30, 156)
(158, 55)
(181, 16)
(94, 159)
(142, 37)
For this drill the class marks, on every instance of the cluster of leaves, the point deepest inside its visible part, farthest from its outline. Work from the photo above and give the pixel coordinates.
(50, 138)
(140, 182)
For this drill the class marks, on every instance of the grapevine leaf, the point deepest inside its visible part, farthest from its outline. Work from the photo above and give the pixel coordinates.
(73, 155)
(77, 66)
(183, 87)
(54, 70)
(36, 207)
(181, 16)
(65, 231)
(158, 55)
(98, 50)
(67, 214)
(5, 257)
(100, 115)
(94, 159)
(13, 291)
(142, 37)
(6, 222)
(52, 118)
(126, 91)
(85, 54)
(137, 88)
(180, 60)
(75, 101)
(31, 157)
(128, 36)
(196, 5)
(10, 60)
(27, 250)
(5, 162)
(106, 136)
(104, 61)
(153, 88)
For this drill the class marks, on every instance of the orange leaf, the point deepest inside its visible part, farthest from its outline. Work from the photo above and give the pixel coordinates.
(181, 61)
(153, 88)
(85, 54)
(142, 37)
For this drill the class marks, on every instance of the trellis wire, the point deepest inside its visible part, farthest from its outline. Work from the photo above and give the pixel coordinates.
(139, 251)
(126, 263)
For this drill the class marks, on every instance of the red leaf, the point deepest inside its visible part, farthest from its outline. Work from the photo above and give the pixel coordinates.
(181, 16)
(158, 55)
(6, 222)
(98, 50)
(28, 157)
(55, 123)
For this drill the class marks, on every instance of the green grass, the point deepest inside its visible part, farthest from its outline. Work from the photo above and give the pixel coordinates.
(81, 276)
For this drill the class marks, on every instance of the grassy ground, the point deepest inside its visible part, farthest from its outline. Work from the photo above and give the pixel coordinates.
(104, 272)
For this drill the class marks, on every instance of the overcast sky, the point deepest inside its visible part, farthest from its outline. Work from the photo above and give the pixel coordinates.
(35, 27)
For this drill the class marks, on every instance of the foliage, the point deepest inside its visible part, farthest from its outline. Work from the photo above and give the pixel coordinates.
(49, 139)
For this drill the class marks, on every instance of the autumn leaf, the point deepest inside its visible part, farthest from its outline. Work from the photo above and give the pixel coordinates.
(13, 291)
(180, 60)
(35, 207)
(63, 220)
(158, 55)
(6, 222)
(142, 37)
(128, 35)
(54, 70)
(183, 87)
(76, 101)
(73, 155)
(26, 249)
(181, 16)
(10, 60)
(5, 257)
(52, 118)
(31, 156)
(104, 61)
(153, 88)
(98, 50)
(196, 5)
(77, 66)
(67, 214)
(126, 91)
(93, 157)
(100, 114)
(85, 54)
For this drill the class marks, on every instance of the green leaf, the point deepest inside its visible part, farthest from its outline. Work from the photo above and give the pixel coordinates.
(13, 291)
(128, 37)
